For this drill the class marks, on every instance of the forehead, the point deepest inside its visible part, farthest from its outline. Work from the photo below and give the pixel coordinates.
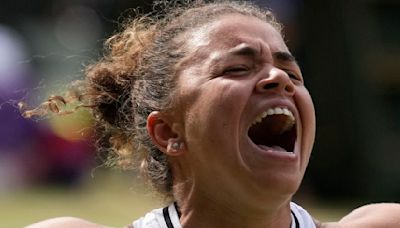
(232, 30)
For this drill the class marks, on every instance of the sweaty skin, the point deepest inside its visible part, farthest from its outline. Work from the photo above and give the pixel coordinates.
(238, 67)
(231, 75)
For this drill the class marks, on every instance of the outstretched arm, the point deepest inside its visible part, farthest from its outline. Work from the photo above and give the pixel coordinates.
(382, 215)
(65, 222)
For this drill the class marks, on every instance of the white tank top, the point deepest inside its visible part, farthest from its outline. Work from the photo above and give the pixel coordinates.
(168, 217)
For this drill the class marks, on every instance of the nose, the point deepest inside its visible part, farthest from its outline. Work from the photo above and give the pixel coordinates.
(278, 81)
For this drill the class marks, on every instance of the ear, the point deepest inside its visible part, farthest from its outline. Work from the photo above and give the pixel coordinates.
(163, 135)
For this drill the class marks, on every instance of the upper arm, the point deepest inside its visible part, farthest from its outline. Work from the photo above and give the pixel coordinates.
(382, 215)
(64, 222)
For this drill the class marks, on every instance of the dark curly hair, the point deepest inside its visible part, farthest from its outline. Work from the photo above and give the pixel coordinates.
(136, 76)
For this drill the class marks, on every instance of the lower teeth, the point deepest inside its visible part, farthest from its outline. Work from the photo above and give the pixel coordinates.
(278, 148)
(275, 148)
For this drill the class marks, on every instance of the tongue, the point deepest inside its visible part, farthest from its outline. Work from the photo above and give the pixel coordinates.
(274, 148)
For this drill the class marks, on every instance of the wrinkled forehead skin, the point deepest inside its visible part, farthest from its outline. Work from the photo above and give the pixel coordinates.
(218, 35)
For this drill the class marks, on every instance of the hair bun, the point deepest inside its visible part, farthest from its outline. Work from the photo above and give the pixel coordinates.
(109, 90)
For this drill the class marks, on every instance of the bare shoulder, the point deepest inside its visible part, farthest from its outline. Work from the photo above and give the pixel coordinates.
(381, 215)
(64, 222)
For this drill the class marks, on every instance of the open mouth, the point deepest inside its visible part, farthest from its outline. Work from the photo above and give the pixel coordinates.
(274, 128)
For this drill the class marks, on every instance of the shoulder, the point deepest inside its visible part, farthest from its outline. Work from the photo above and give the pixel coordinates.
(381, 215)
(62, 222)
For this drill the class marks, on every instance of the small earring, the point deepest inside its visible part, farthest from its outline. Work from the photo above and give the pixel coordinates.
(176, 145)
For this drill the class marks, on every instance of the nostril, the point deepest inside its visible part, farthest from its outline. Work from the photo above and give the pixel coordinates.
(289, 89)
(271, 85)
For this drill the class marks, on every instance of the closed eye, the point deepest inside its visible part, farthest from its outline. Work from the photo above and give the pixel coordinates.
(236, 70)
(293, 76)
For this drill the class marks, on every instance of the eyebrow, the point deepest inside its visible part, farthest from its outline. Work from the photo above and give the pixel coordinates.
(246, 50)
(284, 56)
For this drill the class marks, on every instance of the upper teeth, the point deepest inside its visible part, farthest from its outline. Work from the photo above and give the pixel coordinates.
(274, 111)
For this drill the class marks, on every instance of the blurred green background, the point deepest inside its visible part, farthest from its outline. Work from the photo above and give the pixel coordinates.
(110, 198)
(349, 52)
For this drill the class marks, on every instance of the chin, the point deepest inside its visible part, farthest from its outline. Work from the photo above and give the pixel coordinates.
(279, 185)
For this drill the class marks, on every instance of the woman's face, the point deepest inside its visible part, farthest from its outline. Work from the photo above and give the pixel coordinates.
(248, 120)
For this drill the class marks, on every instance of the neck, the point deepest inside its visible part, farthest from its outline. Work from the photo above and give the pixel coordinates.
(204, 211)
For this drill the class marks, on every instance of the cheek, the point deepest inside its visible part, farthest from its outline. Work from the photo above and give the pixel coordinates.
(213, 116)
(308, 117)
